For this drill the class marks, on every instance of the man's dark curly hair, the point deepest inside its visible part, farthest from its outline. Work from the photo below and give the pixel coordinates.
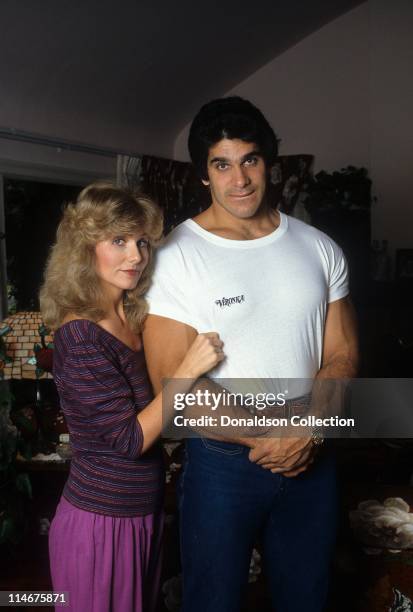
(230, 118)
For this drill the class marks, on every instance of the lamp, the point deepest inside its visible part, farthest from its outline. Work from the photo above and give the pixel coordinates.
(22, 339)
(28, 350)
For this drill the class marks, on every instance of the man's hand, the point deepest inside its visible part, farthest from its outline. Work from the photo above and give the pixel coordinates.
(288, 456)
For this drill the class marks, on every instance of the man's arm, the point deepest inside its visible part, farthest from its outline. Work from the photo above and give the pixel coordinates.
(339, 362)
(166, 342)
(340, 346)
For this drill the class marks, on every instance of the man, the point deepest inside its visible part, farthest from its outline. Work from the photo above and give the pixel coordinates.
(276, 290)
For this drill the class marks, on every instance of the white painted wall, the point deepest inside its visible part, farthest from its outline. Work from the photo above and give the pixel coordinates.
(345, 94)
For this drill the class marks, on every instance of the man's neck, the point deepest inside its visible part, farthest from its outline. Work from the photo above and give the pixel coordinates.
(223, 224)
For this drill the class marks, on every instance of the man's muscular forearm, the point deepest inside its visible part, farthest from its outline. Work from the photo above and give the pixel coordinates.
(339, 364)
(340, 360)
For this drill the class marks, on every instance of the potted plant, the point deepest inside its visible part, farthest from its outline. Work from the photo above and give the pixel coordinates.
(343, 190)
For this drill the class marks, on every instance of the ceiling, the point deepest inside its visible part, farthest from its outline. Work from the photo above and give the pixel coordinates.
(131, 74)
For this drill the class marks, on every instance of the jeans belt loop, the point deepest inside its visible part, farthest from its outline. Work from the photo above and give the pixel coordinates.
(288, 410)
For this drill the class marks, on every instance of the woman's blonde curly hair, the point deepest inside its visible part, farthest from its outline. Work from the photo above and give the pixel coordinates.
(71, 285)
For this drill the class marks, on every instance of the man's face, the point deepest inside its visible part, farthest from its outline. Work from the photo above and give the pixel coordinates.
(236, 177)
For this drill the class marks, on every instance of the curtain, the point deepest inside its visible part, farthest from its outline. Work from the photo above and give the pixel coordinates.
(174, 185)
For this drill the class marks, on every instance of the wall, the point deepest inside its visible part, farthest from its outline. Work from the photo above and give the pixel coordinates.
(316, 94)
(391, 120)
(344, 95)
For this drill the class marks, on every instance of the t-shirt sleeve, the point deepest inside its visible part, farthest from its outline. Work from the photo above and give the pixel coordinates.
(339, 275)
(105, 407)
(169, 297)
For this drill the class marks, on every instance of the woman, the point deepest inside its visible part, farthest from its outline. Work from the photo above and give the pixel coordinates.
(105, 538)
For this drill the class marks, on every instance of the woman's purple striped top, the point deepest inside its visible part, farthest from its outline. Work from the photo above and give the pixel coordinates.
(102, 385)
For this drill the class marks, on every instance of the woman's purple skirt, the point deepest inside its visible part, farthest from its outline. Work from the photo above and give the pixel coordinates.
(105, 563)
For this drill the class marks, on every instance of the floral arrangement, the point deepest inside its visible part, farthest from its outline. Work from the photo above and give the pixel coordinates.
(386, 525)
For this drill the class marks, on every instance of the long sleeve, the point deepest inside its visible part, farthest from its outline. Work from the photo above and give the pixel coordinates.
(104, 400)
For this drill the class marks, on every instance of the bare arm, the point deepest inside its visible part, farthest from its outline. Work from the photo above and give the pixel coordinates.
(340, 344)
(166, 342)
(196, 356)
(339, 361)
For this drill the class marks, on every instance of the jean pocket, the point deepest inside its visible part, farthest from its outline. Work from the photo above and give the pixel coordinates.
(225, 448)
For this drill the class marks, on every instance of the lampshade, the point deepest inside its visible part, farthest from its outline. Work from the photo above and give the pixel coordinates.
(20, 341)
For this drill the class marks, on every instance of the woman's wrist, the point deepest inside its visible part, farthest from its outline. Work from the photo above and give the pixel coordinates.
(185, 371)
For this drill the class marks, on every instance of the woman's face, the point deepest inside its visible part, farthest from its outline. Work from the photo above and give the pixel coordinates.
(121, 260)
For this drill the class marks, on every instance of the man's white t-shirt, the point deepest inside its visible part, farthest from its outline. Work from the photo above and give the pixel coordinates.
(267, 298)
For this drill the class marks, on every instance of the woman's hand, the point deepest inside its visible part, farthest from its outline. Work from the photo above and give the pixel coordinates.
(204, 354)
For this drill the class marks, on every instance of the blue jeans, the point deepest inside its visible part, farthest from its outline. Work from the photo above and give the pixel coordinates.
(228, 503)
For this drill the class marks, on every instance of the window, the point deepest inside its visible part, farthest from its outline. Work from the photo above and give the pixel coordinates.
(32, 211)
